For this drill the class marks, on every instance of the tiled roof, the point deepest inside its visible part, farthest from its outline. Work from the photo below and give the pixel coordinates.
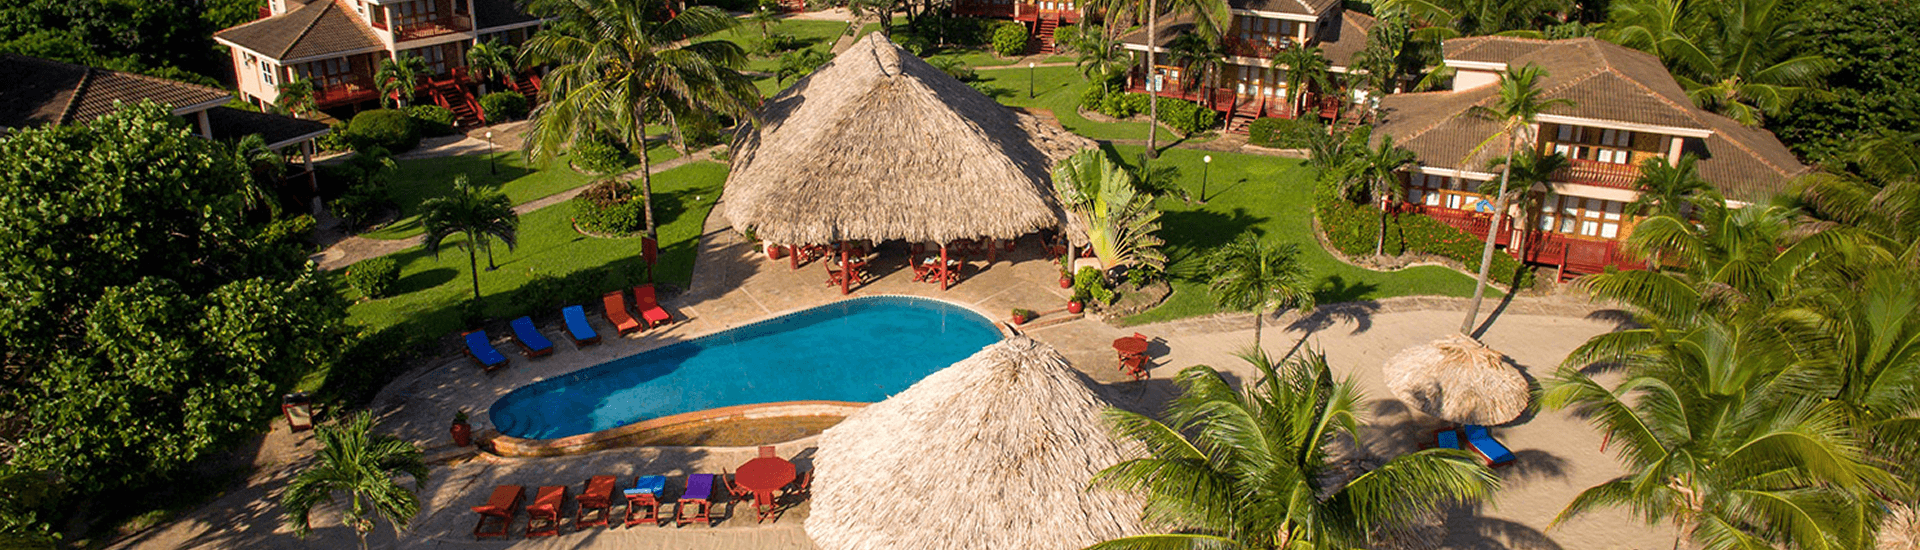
(39, 91)
(232, 124)
(1300, 7)
(1339, 46)
(1489, 49)
(498, 13)
(315, 30)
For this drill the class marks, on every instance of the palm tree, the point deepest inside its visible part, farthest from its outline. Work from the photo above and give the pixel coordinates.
(1530, 169)
(362, 464)
(1210, 20)
(1120, 220)
(476, 213)
(1302, 65)
(263, 170)
(492, 62)
(1741, 58)
(1518, 106)
(297, 96)
(623, 68)
(397, 78)
(1376, 170)
(1443, 19)
(1666, 189)
(802, 62)
(1250, 275)
(1196, 53)
(1731, 261)
(765, 19)
(1101, 56)
(879, 10)
(1256, 469)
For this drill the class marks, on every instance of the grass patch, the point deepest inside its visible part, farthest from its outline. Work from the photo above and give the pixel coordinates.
(1058, 89)
(432, 292)
(1274, 198)
(809, 34)
(417, 180)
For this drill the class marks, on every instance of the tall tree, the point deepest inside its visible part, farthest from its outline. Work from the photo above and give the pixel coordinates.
(1100, 56)
(1376, 171)
(1518, 106)
(1742, 58)
(477, 214)
(398, 79)
(492, 61)
(1199, 54)
(1251, 275)
(297, 96)
(1303, 65)
(622, 64)
(1210, 20)
(1255, 468)
(1443, 19)
(1530, 169)
(363, 465)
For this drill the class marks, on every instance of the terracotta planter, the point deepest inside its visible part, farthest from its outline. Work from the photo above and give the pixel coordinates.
(1021, 320)
(775, 252)
(1066, 282)
(462, 434)
(1074, 307)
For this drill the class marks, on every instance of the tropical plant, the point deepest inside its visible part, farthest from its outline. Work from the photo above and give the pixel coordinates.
(1442, 19)
(1529, 169)
(1251, 275)
(1156, 181)
(1376, 170)
(1120, 220)
(765, 18)
(263, 172)
(1210, 20)
(1303, 65)
(478, 214)
(362, 464)
(1100, 57)
(1742, 58)
(1256, 468)
(799, 63)
(880, 11)
(1730, 262)
(398, 78)
(297, 96)
(1667, 189)
(622, 67)
(1518, 106)
(1206, 56)
(492, 61)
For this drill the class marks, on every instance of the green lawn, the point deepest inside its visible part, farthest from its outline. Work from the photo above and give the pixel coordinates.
(431, 291)
(1272, 197)
(1058, 89)
(417, 180)
(811, 34)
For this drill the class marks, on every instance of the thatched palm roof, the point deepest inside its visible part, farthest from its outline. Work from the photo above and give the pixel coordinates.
(1900, 530)
(877, 144)
(1459, 380)
(993, 452)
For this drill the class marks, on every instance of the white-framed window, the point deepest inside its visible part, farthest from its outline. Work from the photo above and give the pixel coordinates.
(266, 73)
(1614, 156)
(1586, 217)
(1616, 138)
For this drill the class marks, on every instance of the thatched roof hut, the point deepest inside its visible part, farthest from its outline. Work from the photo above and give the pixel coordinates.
(1900, 530)
(993, 452)
(879, 145)
(1458, 380)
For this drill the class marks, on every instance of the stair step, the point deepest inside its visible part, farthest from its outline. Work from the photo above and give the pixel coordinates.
(1049, 321)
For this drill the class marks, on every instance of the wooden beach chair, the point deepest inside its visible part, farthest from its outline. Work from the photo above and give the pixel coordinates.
(498, 512)
(596, 500)
(1482, 441)
(532, 343)
(648, 305)
(616, 311)
(543, 516)
(481, 351)
(699, 495)
(643, 500)
(578, 329)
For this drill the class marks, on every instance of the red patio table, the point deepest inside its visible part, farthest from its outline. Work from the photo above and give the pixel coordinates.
(763, 476)
(1128, 345)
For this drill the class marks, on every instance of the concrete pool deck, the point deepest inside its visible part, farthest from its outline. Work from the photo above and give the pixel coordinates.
(733, 285)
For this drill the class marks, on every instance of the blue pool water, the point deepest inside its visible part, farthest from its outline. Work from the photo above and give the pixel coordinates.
(859, 350)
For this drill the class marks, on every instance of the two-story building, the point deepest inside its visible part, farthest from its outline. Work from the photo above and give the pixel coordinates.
(1040, 16)
(1626, 109)
(338, 46)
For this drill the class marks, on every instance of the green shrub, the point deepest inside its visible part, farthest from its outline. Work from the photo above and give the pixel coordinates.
(368, 362)
(503, 106)
(431, 120)
(1283, 133)
(374, 277)
(388, 129)
(1352, 228)
(1186, 116)
(1010, 40)
(362, 203)
(1091, 283)
(609, 208)
(598, 156)
(1066, 38)
(1093, 98)
(336, 138)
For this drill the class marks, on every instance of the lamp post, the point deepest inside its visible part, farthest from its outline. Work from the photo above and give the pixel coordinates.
(1029, 80)
(1206, 165)
(491, 168)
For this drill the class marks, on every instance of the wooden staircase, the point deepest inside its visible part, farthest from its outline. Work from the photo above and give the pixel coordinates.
(450, 94)
(1043, 31)
(1244, 114)
(528, 84)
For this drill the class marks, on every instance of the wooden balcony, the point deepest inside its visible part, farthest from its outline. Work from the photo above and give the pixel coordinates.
(1020, 11)
(350, 91)
(432, 28)
(1619, 176)
(1258, 48)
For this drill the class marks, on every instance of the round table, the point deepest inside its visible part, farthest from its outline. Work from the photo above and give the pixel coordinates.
(765, 474)
(1130, 345)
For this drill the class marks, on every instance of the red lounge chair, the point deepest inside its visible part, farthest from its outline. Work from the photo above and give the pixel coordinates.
(616, 306)
(643, 500)
(597, 499)
(543, 516)
(699, 495)
(648, 305)
(500, 508)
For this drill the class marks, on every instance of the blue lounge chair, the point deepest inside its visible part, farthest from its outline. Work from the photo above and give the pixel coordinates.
(578, 330)
(699, 494)
(532, 343)
(1484, 443)
(1447, 439)
(482, 352)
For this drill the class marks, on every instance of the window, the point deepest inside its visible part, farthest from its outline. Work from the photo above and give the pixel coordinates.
(1585, 217)
(1616, 138)
(1614, 156)
(266, 73)
(1569, 133)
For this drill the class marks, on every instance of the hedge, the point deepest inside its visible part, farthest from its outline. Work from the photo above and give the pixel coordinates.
(1351, 229)
(1010, 40)
(389, 129)
(503, 106)
(1283, 133)
(431, 120)
(1186, 116)
(609, 208)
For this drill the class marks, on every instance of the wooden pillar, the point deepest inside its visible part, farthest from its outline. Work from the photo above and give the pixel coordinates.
(306, 158)
(793, 256)
(991, 245)
(846, 275)
(943, 267)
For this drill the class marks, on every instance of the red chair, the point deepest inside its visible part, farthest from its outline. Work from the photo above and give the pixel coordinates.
(698, 496)
(597, 499)
(616, 308)
(500, 508)
(648, 305)
(801, 487)
(643, 502)
(1135, 366)
(733, 486)
(543, 516)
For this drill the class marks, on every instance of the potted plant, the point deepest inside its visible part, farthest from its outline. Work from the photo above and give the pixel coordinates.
(1089, 285)
(1066, 278)
(1076, 303)
(462, 432)
(1021, 316)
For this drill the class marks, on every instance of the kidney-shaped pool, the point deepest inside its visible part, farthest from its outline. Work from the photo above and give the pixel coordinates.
(859, 350)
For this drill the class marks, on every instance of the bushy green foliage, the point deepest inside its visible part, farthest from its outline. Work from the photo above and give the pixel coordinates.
(1091, 284)
(1283, 133)
(1186, 116)
(1872, 42)
(1124, 105)
(374, 277)
(336, 138)
(1353, 228)
(609, 208)
(503, 106)
(367, 362)
(944, 30)
(598, 156)
(1010, 39)
(389, 129)
(431, 120)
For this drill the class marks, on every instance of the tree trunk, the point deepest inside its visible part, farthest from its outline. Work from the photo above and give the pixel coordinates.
(1380, 240)
(473, 266)
(646, 184)
(1486, 252)
(1153, 92)
(1258, 317)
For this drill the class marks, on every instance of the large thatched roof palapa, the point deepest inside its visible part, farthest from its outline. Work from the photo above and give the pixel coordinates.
(993, 452)
(1458, 380)
(877, 144)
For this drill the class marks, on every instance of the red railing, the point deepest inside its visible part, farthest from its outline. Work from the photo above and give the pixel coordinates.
(429, 29)
(1620, 176)
(348, 92)
(1573, 255)
(1255, 47)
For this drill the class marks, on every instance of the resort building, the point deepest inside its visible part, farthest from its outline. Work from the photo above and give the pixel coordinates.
(1249, 87)
(1041, 17)
(338, 45)
(1626, 109)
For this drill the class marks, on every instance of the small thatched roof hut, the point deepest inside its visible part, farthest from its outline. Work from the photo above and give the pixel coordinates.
(879, 145)
(1458, 380)
(993, 452)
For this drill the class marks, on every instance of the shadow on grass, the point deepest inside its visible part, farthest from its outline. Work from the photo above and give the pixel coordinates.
(1191, 233)
(425, 279)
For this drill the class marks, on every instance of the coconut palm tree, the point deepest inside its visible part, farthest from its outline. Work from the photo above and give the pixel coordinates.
(880, 10)
(1101, 57)
(1518, 106)
(1730, 261)
(1303, 65)
(1120, 220)
(1210, 20)
(362, 464)
(1666, 189)
(398, 78)
(478, 214)
(1741, 58)
(1251, 275)
(1530, 169)
(492, 62)
(1443, 19)
(627, 64)
(764, 18)
(1198, 54)
(263, 171)
(1257, 468)
(297, 96)
(1376, 170)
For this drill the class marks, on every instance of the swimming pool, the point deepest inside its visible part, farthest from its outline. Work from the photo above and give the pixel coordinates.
(860, 350)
